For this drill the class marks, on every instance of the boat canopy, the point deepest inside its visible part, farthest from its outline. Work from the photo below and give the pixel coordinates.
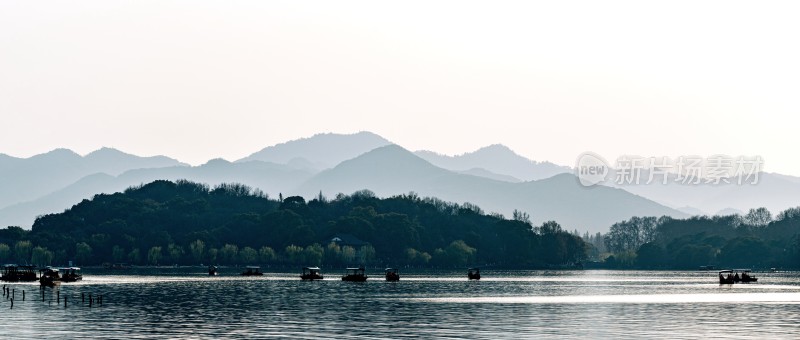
(355, 271)
(310, 268)
(21, 266)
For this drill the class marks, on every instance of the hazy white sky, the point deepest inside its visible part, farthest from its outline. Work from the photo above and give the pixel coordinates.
(196, 80)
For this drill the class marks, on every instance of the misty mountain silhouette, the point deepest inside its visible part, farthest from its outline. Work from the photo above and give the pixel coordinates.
(276, 177)
(773, 191)
(392, 170)
(24, 179)
(498, 159)
(322, 150)
(492, 177)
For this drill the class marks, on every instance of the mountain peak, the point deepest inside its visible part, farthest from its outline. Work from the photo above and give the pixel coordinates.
(390, 154)
(60, 152)
(498, 159)
(106, 152)
(59, 155)
(217, 162)
(499, 148)
(324, 150)
(387, 170)
(390, 158)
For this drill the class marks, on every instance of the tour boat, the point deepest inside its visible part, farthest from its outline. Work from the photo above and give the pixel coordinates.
(311, 273)
(474, 274)
(726, 277)
(252, 271)
(71, 274)
(354, 275)
(49, 276)
(15, 273)
(212, 270)
(731, 276)
(392, 275)
(745, 277)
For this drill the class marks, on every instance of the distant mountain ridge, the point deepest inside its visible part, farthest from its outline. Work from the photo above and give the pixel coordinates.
(392, 170)
(268, 176)
(773, 191)
(498, 159)
(494, 177)
(24, 179)
(323, 151)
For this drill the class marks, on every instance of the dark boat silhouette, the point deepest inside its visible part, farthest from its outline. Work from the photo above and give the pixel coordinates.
(19, 273)
(392, 275)
(355, 275)
(311, 273)
(252, 271)
(731, 276)
(71, 274)
(49, 276)
(474, 274)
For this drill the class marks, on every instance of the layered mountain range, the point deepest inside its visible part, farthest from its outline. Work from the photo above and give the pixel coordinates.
(494, 177)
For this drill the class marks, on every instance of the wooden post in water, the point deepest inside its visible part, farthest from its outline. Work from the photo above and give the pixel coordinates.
(42, 295)
(82, 299)
(90, 299)
(23, 295)
(58, 296)
(12, 303)
(65, 301)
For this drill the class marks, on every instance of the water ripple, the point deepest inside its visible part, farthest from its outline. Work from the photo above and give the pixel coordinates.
(595, 304)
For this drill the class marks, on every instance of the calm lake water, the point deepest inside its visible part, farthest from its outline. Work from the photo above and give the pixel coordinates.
(185, 303)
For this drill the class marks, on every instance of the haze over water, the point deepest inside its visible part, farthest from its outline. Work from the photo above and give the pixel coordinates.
(185, 303)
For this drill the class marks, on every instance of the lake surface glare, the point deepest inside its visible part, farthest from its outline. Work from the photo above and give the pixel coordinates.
(186, 303)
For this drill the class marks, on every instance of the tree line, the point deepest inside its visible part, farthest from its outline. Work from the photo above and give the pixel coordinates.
(752, 240)
(182, 222)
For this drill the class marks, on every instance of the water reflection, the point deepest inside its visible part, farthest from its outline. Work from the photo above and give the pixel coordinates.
(596, 304)
(656, 298)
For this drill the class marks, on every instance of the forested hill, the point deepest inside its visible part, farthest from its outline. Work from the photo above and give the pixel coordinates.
(183, 222)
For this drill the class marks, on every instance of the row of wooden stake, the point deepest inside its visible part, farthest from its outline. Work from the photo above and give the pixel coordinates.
(9, 294)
